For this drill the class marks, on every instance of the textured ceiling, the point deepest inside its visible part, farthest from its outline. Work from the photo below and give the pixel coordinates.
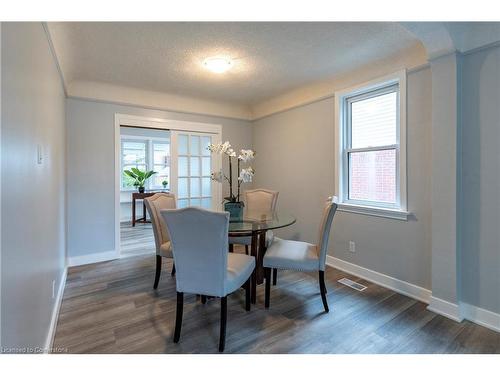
(269, 58)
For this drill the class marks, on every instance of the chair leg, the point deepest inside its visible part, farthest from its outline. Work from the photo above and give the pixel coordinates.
(173, 270)
(223, 320)
(322, 289)
(203, 299)
(267, 276)
(247, 294)
(246, 249)
(158, 271)
(178, 316)
(231, 248)
(275, 276)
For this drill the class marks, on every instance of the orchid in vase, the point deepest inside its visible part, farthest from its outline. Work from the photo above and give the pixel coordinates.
(245, 175)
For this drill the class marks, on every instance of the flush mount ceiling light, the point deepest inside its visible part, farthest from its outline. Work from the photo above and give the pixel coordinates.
(218, 64)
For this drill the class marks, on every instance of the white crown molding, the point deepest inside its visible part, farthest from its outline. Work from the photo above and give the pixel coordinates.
(411, 59)
(54, 56)
(104, 92)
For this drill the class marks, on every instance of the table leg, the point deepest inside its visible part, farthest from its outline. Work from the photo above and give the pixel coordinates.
(260, 258)
(133, 212)
(143, 211)
(253, 252)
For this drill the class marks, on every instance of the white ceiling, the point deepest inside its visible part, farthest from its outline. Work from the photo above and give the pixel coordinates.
(270, 58)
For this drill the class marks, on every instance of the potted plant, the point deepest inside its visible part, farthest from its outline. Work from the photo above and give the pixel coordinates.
(164, 183)
(233, 204)
(139, 177)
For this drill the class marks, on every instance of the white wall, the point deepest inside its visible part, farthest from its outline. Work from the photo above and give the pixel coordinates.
(295, 152)
(33, 198)
(90, 143)
(481, 179)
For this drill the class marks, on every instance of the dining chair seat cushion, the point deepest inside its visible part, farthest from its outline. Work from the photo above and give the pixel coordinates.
(239, 269)
(166, 250)
(247, 240)
(292, 255)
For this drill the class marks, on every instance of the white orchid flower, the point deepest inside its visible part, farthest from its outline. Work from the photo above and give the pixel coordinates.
(246, 155)
(214, 147)
(225, 147)
(217, 176)
(246, 174)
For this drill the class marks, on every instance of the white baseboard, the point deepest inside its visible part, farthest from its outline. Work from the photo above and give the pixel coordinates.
(445, 308)
(480, 316)
(389, 282)
(93, 258)
(55, 312)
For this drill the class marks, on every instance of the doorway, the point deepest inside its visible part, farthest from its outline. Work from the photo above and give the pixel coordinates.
(177, 152)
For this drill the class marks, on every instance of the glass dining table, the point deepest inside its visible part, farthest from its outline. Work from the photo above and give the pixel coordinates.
(256, 226)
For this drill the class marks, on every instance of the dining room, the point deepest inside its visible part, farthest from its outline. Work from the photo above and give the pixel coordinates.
(252, 187)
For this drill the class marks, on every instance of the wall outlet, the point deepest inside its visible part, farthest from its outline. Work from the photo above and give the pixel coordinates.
(53, 289)
(352, 246)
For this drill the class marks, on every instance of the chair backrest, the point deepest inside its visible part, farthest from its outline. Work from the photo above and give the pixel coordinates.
(324, 230)
(154, 204)
(260, 202)
(199, 244)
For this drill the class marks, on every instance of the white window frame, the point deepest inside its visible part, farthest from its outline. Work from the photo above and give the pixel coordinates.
(149, 141)
(342, 133)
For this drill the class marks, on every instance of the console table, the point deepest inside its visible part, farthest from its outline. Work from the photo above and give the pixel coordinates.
(140, 196)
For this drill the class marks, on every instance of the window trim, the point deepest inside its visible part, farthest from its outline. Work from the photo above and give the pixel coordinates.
(149, 162)
(363, 91)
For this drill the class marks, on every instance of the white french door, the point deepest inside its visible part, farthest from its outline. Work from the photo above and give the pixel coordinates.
(191, 167)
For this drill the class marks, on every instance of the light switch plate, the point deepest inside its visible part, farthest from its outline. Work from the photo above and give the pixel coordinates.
(39, 154)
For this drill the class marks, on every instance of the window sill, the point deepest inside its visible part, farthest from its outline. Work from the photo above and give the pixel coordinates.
(374, 211)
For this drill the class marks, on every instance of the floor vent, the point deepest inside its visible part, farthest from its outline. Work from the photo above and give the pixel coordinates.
(352, 284)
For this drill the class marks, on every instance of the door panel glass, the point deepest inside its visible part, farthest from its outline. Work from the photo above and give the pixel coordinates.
(206, 187)
(205, 141)
(183, 187)
(206, 203)
(182, 144)
(195, 187)
(195, 166)
(181, 203)
(183, 166)
(195, 145)
(206, 166)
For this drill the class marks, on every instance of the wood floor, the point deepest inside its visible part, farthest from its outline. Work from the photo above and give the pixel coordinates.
(136, 240)
(111, 307)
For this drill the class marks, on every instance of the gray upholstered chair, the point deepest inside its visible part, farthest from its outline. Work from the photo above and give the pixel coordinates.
(258, 202)
(204, 266)
(301, 256)
(154, 204)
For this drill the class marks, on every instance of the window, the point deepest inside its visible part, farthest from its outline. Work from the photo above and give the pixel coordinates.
(161, 164)
(144, 154)
(371, 167)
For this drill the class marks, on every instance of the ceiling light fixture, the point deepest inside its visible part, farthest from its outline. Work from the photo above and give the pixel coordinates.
(218, 64)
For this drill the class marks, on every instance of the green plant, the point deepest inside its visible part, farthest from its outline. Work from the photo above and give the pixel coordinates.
(139, 177)
(164, 183)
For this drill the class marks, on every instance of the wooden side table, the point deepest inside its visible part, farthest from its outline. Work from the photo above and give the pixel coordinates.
(140, 196)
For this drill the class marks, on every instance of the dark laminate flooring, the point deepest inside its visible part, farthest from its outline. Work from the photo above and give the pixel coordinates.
(111, 307)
